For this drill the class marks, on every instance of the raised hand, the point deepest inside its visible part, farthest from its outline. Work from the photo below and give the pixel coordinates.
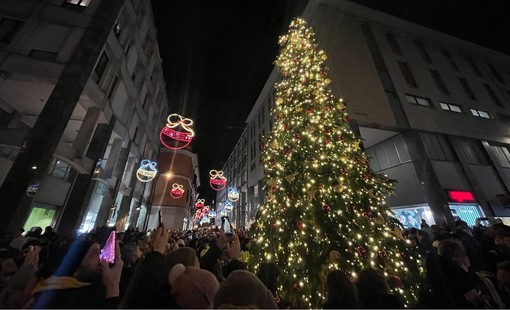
(111, 275)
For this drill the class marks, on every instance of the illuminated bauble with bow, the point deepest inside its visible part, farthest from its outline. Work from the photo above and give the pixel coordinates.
(147, 171)
(199, 204)
(212, 214)
(205, 220)
(217, 180)
(177, 133)
(233, 194)
(177, 191)
(223, 212)
(229, 206)
(205, 210)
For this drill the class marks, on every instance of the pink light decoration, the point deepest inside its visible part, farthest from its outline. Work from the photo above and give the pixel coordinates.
(177, 133)
(177, 191)
(108, 251)
(217, 180)
(461, 196)
(200, 204)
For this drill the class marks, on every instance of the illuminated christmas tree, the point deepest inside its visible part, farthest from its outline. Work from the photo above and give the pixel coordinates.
(324, 207)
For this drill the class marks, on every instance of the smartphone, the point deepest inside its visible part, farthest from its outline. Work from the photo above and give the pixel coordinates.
(108, 250)
(160, 220)
(226, 225)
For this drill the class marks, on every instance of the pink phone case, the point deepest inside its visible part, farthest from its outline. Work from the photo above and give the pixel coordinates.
(108, 251)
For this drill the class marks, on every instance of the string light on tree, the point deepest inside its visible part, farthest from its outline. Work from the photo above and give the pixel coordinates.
(217, 180)
(147, 171)
(177, 133)
(320, 192)
(177, 191)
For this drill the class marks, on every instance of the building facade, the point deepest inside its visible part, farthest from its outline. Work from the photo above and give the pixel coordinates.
(432, 110)
(82, 100)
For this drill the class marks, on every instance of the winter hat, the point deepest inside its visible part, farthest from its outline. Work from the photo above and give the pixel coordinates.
(181, 243)
(194, 288)
(185, 255)
(243, 288)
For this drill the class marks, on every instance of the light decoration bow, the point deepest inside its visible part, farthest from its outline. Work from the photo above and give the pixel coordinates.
(217, 180)
(177, 133)
(228, 206)
(147, 171)
(199, 204)
(177, 191)
(233, 194)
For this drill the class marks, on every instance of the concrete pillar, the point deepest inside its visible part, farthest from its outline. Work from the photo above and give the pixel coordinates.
(86, 131)
(125, 204)
(436, 197)
(112, 158)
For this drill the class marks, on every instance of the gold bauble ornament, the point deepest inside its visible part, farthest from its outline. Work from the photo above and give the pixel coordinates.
(299, 108)
(340, 106)
(327, 81)
(291, 177)
(279, 100)
(339, 188)
(324, 57)
(274, 144)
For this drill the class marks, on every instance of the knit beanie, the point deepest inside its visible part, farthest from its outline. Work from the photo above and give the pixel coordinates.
(193, 288)
(185, 255)
(243, 288)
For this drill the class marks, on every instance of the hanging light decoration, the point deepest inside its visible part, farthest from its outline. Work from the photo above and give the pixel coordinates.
(199, 204)
(177, 133)
(177, 191)
(147, 171)
(233, 194)
(217, 180)
(228, 206)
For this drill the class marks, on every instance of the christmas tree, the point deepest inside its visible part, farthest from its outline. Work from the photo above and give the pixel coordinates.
(324, 207)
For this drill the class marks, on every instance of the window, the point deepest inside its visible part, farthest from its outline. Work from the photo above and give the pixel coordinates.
(496, 74)
(437, 147)
(8, 29)
(450, 107)
(480, 113)
(418, 100)
(408, 75)
(393, 44)
(439, 82)
(493, 96)
(473, 67)
(423, 52)
(61, 170)
(473, 151)
(502, 154)
(78, 2)
(467, 89)
(450, 60)
(100, 67)
(116, 29)
(112, 88)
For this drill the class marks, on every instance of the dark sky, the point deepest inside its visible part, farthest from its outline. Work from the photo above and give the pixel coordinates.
(218, 54)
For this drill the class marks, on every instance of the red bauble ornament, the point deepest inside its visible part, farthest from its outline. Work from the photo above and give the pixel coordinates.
(343, 170)
(326, 131)
(367, 214)
(309, 111)
(362, 252)
(326, 208)
(383, 254)
(300, 225)
(274, 226)
(328, 141)
(346, 118)
(296, 287)
(396, 282)
(297, 136)
(367, 175)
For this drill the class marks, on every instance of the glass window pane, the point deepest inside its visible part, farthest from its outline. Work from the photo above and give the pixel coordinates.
(484, 114)
(423, 101)
(410, 99)
(474, 112)
(455, 108)
(444, 106)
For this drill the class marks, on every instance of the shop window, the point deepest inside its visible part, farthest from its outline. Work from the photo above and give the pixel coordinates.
(502, 154)
(437, 147)
(450, 107)
(418, 100)
(480, 113)
(408, 74)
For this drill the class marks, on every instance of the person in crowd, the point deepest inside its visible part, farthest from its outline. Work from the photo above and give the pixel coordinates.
(340, 292)
(81, 280)
(130, 253)
(503, 281)
(192, 287)
(181, 243)
(374, 292)
(242, 289)
(19, 240)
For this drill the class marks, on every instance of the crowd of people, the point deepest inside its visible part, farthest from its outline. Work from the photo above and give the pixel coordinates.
(466, 267)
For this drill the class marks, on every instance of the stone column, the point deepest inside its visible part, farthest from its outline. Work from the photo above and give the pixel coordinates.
(85, 132)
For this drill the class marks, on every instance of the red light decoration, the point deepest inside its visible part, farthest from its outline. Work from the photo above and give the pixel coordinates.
(177, 133)
(177, 191)
(199, 204)
(217, 180)
(461, 196)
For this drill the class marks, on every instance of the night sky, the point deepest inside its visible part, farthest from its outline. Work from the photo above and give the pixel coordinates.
(217, 55)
